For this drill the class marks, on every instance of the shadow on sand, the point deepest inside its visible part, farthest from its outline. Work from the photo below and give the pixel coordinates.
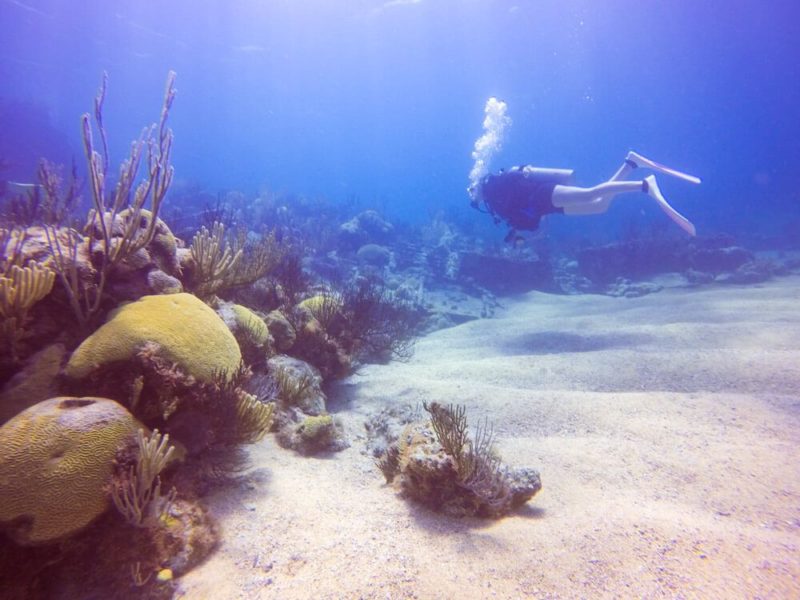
(560, 342)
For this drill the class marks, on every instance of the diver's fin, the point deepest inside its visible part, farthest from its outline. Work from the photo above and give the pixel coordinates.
(651, 188)
(641, 161)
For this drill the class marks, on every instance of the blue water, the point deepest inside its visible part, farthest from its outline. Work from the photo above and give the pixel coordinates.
(382, 100)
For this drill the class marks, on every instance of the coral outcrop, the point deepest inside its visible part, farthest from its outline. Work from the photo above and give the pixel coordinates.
(374, 255)
(281, 329)
(437, 464)
(366, 227)
(299, 384)
(35, 244)
(314, 345)
(56, 463)
(153, 268)
(185, 536)
(302, 421)
(314, 435)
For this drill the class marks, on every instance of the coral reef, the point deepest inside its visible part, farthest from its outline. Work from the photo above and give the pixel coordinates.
(291, 280)
(56, 463)
(42, 203)
(250, 322)
(153, 268)
(113, 560)
(163, 246)
(201, 415)
(34, 244)
(704, 260)
(626, 288)
(753, 271)
(66, 459)
(180, 324)
(504, 275)
(325, 308)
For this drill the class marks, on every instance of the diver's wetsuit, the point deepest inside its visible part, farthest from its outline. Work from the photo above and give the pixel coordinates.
(519, 198)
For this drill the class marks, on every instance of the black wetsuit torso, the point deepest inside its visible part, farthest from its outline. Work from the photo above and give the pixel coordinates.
(520, 199)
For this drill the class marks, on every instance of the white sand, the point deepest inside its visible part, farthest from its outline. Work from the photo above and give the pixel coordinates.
(666, 430)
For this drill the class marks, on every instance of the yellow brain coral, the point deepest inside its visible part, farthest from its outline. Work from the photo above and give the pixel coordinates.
(188, 332)
(322, 303)
(248, 320)
(56, 461)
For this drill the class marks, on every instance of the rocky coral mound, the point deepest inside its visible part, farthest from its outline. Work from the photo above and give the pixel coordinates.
(436, 463)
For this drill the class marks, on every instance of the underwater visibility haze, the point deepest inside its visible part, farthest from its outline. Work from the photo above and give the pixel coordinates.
(383, 100)
(256, 341)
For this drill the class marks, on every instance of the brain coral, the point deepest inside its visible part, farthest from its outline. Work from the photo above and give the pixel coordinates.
(56, 461)
(250, 322)
(188, 332)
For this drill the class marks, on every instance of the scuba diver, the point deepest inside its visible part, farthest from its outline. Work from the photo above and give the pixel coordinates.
(521, 196)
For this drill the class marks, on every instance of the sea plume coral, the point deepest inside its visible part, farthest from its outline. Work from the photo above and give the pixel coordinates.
(136, 492)
(221, 262)
(375, 323)
(113, 232)
(20, 289)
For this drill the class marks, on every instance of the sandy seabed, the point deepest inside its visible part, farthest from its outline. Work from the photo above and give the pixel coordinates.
(666, 429)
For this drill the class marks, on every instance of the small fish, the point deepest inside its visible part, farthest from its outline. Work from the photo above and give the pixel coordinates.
(12, 188)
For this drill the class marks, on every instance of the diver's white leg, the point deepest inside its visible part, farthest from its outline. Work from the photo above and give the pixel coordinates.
(622, 173)
(597, 199)
(593, 200)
